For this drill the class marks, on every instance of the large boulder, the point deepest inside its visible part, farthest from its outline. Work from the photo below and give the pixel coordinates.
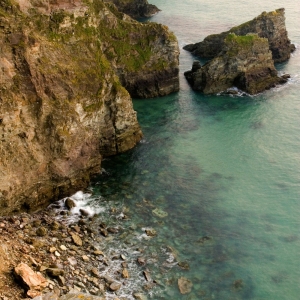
(245, 62)
(269, 25)
(34, 282)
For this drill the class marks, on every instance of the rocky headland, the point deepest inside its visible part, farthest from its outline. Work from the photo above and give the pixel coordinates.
(67, 71)
(269, 25)
(137, 9)
(245, 62)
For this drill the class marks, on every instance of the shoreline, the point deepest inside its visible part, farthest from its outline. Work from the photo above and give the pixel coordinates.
(76, 250)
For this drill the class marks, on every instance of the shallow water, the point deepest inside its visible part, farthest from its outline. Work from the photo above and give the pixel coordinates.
(218, 177)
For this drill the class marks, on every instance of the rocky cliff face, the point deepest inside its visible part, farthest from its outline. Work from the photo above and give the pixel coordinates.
(137, 9)
(245, 62)
(62, 105)
(267, 25)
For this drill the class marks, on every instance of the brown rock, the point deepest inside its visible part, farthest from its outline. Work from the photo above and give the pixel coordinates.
(55, 272)
(115, 286)
(150, 232)
(141, 260)
(125, 273)
(95, 272)
(70, 203)
(76, 239)
(33, 281)
(184, 285)
(147, 275)
(41, 231)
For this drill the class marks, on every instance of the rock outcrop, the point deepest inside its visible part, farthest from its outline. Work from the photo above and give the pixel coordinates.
(62, 103)
(136, 9)
(245, 62)
(269, 25)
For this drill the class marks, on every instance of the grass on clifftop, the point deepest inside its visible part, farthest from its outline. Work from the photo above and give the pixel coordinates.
(241, 40)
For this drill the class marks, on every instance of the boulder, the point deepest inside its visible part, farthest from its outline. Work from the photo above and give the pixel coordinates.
(269, 25)
(34, 282)
(70, 203)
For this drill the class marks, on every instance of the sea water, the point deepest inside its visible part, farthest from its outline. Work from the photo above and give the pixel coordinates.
(217, 177)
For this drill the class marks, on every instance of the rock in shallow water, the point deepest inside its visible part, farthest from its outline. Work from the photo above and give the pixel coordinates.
(184, 285)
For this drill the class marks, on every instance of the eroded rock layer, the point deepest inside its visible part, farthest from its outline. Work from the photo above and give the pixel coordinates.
(269, 25)
(245, 62)
(62, 105)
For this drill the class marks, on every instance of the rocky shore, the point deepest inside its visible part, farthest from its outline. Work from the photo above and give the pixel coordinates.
(62, 260)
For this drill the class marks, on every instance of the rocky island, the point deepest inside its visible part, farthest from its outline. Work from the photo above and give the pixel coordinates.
(245, 62)
(67, 70)
(269, 25)
(242, 57)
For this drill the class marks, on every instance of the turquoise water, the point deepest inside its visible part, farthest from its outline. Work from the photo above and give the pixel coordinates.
(220, 167)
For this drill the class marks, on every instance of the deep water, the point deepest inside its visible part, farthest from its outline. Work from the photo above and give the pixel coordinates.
(218, 177)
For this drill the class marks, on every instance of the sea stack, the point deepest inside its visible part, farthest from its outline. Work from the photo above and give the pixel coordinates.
(245, 62)
(269, 25)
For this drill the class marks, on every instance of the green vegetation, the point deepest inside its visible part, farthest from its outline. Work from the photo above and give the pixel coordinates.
(241, 40)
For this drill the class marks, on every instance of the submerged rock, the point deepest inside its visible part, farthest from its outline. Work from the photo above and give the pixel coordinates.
(184, 285)
(159, 213)
(245, 62)
(269, 25)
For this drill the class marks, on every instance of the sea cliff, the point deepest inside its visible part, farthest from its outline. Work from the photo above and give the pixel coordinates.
(64, 70)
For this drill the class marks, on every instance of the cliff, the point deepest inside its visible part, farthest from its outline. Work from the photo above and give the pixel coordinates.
(137, 9)
(245, 62)
(62, 104)
(269, 25)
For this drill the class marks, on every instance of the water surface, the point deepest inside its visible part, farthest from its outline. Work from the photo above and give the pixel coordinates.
(222, 171)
